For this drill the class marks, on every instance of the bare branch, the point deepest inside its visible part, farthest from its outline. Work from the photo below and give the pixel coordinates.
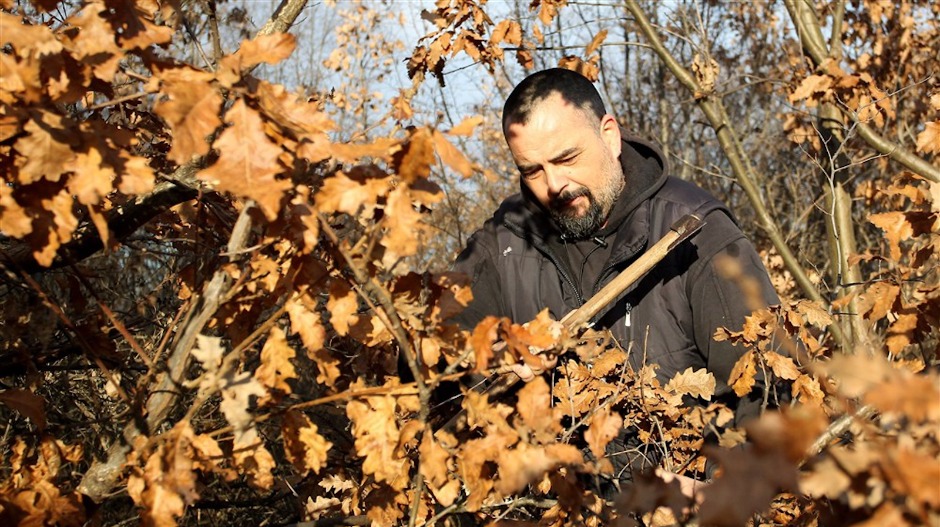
(714, 110)
(808, 27)
(102, 476)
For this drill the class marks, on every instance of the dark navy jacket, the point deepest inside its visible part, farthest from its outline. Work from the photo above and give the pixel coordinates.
(520, 265)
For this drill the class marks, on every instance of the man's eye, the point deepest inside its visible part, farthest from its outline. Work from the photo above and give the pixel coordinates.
(530, 174)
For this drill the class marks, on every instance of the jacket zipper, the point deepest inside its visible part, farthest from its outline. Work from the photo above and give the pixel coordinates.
(551, 257)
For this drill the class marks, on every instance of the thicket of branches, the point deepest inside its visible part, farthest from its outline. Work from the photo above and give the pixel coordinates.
(226, 300)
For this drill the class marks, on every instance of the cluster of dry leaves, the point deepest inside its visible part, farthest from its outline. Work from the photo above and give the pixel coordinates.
(891, 29)
(287, 367)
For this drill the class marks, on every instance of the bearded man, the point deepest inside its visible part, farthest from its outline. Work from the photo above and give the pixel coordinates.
(592, 200)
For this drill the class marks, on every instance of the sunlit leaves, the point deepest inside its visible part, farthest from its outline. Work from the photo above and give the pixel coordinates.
(811, 86)
(135, 23)
(604, 427)
(858, 91)
(743, 375)
(452, 156)
(536, 412)
(524, 464)
(878, 300)
(306, 449)
(276, 367)
(928, 141)
(595, 43)
(343, 306)
(165, 484)
(548, 9)
(95, 43)
(87, 159)
(45, 148)
(31, 494)
(896, 228)
(254, 460)
(697, 383)
(191, 109)
(26, 39)
(377, 432)
(248, 452)
(437, 467)
(782, 367)
(248, 172)
(349, 192)
(482, 340)
(307, 324)
(403, 222)
(269, 49)
(706, 71)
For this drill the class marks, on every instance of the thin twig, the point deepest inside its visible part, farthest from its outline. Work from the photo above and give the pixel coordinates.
(836, 429)
(76, 336)
(119, 100)
(122, 329)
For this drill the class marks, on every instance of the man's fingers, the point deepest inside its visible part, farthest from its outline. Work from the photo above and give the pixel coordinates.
(527, 372)
(691, 488)
(548, 362)
(523, 371)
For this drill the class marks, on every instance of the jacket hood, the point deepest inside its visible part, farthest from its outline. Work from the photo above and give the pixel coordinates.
(644, 171)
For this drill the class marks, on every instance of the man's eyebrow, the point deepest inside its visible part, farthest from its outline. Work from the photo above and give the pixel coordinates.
(561, 156)
(564, 154)
(525, 169)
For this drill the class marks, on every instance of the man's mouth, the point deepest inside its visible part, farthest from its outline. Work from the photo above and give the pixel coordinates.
(567, 200)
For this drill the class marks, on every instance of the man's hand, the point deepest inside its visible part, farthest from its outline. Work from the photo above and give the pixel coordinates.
(527, 372)
(691, 488)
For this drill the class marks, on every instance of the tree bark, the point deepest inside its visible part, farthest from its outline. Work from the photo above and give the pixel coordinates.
(840, 227)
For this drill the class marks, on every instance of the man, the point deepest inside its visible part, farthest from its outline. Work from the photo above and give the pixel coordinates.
(591, 201)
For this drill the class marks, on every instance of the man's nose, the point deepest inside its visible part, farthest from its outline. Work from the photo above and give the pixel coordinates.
(556, 179)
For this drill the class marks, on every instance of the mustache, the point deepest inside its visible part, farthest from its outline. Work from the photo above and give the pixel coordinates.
(559, 201)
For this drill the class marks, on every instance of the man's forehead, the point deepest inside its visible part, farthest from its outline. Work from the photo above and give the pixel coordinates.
(531, 145)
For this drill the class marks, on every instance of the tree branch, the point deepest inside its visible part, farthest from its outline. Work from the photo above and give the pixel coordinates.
(123, 221)
(283, 18)
(836, 429)
(808, 27)
(714, 110)
(894, 151)
(102, 476)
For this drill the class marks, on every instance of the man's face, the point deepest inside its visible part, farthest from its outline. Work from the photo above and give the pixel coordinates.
(570, 162)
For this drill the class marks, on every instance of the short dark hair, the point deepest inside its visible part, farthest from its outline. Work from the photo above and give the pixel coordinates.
(571, 85)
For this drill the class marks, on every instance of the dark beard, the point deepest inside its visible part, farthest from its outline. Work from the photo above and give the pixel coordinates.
(576, 227)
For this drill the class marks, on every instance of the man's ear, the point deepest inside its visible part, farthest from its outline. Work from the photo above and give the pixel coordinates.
(610, 133)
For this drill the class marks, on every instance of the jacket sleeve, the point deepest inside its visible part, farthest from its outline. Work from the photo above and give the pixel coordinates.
(478, 262)
(717, 301)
